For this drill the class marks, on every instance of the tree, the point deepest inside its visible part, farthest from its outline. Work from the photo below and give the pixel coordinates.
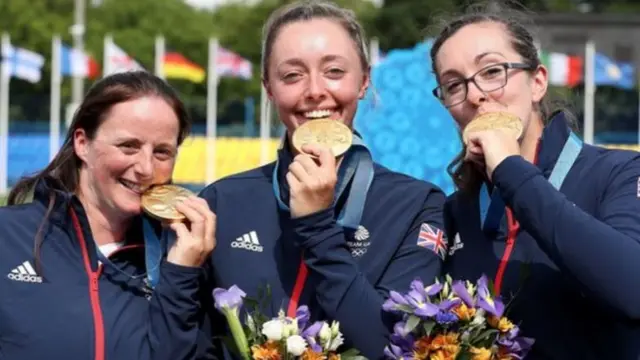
(404, 23)
(133, 24)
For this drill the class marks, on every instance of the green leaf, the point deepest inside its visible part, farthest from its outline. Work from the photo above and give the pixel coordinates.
(350, 352)
(485, 335)
(405, 308)
(412, 323)
(428, 327)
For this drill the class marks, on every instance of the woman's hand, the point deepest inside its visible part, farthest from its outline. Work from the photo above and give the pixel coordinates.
(490, 147)
(195, 236)
(312, 181)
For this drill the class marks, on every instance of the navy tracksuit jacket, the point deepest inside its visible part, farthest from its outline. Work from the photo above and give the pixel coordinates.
(347, 275)
(570, 257)
(74, 308)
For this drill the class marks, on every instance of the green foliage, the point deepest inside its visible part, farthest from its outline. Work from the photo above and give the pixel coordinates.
(135, 24)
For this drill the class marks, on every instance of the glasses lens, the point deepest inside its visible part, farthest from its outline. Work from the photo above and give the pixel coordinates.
(492, 78)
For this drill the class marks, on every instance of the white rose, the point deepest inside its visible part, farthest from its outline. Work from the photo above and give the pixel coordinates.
(325, 334)
(335, 343)
(290, 327)
(296, 345)
(273, 330)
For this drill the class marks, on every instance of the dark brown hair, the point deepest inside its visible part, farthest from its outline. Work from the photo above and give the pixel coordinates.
(309, 10)
(64, 169)
(518, 26)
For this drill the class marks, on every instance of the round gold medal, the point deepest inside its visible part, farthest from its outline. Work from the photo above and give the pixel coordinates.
(494, 120)
(330, 133)
(159, 201)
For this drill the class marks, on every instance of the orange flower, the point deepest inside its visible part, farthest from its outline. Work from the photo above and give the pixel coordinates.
(312, 355)
(464, 313)
(422, 347)
(266, 351)
(334, 356)
(480, 353)
(503, 324)
(442, 355)
(445, 346)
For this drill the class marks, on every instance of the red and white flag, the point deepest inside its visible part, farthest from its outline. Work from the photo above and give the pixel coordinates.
(230, 64)
(117, 60)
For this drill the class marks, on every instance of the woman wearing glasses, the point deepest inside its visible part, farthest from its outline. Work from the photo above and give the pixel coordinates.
(555, 223)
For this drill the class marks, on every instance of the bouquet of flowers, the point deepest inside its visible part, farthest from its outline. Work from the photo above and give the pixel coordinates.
(279, 338)
(453, 320)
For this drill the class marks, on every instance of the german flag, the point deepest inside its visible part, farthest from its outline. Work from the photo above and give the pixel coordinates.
(176, 66)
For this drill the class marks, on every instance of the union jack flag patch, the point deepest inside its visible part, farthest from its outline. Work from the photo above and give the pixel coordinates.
(432, 238)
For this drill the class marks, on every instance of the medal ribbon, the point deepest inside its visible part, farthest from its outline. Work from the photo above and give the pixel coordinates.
(153, 254)
(154, 248)
(357, 165)
(492, 206)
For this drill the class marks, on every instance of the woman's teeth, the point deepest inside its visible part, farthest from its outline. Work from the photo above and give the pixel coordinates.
(132, 186)
(318, 114)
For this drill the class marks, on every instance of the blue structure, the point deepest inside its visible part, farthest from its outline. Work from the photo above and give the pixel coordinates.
(404, 125)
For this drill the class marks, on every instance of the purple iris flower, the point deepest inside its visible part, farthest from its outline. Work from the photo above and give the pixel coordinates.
(230, 299)
(517, 347)
(396, 352)
(493, 306)
(303, 315)
(431, 290)
(394, 302)
(448, 304)
(460, 289)
(418, 299)
(310, 335)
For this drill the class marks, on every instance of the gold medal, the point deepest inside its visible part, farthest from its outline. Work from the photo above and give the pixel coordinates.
(494, 120)
(330, 133)
(159, 201)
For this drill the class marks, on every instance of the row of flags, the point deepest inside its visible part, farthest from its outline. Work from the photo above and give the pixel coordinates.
(27, 65)
(564, 70)
(17, 62)
(569, 70)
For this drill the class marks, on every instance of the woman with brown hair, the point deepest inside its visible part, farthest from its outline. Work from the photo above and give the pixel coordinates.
(334, 231)
(555, 222)
(75, 278)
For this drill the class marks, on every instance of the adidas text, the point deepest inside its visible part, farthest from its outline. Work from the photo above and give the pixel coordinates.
(248, 242)
(25, 278)
(24, 273)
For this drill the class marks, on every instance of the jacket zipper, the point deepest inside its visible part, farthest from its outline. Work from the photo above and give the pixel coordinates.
(512, 232)
(94, 294)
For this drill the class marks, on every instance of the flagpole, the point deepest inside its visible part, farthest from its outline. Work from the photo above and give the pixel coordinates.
(106, 68)
(212, 109)
(56, 82)
(589, 91)
(78, 30)
(159, 56)
(265, 125)
(5, 75)
(374, 51)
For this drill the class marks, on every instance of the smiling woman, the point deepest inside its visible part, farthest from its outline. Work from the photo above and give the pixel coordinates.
(85, 226)
(333, 231)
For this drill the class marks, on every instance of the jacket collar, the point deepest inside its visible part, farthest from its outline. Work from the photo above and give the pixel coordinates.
(49, 190)
(553, 138)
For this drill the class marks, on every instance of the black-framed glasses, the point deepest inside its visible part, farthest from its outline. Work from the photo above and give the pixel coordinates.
(487, 79)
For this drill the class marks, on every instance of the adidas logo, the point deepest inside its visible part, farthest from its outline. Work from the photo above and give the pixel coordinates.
(248, 242)
(25, 273)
